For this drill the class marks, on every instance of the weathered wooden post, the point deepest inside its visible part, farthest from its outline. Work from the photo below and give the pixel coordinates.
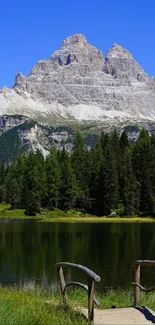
(62, 284)
(137, 289)
(90, 301)
(92, 278)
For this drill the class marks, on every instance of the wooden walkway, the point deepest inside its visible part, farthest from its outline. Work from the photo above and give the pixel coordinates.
(118, 316)
(123, 316)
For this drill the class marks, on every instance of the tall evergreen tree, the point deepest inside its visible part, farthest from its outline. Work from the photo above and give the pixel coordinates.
(35, 180)
(124, 141)
(79, 163)
(130, 189)
(115, 146)
(68, 189)
(96, 162)
(108, 182)
(141, 158)
(19, 175)
(12, 188)
(123, 145)
(53, 179)
(2, 187)
(152, 163)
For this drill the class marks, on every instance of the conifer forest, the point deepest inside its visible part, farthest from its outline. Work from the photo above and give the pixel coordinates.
(114, 176)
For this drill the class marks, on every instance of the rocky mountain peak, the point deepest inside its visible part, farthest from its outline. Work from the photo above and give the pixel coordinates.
(77, 40)
(118, 51)
(77, 83)
(20, 83)
(76, 50)
(121, 64)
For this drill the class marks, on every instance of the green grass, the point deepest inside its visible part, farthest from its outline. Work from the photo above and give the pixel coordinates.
(40, 307)
(119, 298)
(18, 307)
(71, 216)
(6, 213)
(99, 220)
(4, 206)
(74, 216)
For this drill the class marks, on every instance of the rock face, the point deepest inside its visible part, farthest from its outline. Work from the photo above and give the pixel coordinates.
(78, 83)
(8, 122)
(20, 136)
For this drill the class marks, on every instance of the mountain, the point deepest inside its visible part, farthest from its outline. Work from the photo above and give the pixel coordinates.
(78, 84)
(76, 88)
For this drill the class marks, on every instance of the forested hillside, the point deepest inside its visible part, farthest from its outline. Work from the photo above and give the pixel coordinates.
(114, 175)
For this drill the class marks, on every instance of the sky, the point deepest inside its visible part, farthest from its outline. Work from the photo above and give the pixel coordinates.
(32, 30)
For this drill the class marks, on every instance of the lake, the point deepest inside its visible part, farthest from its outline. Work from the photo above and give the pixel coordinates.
(29, 250)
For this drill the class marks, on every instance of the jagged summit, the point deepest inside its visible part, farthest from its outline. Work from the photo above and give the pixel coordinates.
(118, 51)
(78, 83)
(75, 40)
(76, 49)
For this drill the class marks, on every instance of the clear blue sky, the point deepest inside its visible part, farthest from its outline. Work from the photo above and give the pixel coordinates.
(32, 29)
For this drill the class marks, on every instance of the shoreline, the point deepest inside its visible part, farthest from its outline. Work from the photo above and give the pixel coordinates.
(72, 216)
(98, 220)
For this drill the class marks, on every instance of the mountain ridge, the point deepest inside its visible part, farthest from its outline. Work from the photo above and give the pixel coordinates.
(77, 83)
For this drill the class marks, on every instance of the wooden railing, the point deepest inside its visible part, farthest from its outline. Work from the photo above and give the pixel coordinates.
(137, 284)
(92, 277)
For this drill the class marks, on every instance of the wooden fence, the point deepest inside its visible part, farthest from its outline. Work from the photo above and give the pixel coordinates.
(92, 277)
(137, 284)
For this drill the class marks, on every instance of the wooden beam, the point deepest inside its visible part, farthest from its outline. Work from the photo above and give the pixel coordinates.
(90, 301)
(91, 274)
(144, 289)
(62, 284)
(145, 262)
(137, 289)
(85, 287)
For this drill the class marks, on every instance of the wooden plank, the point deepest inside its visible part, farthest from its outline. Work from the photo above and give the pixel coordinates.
(121, 316)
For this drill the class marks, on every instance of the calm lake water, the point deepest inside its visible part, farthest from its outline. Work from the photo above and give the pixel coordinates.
(29, 250)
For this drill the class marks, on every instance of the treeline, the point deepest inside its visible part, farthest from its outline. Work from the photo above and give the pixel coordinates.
(113, 176)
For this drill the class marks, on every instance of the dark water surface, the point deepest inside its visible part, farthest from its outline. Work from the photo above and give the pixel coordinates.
(29, 250)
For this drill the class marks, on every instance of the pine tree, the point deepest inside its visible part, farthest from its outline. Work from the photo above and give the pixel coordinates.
(96, 162)
(30, 204)
(68, 189)
(79, 163)
(53, 179)
(2, 187)
(108, 182)
(35, 179)
(152, 163)
(124, 145)
(19, 175)
(130, 189)
(12, 189)
(124, 142)
(141, 158)
(115, 145)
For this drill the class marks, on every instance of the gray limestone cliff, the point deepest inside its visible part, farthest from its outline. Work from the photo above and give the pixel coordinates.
(78, 83)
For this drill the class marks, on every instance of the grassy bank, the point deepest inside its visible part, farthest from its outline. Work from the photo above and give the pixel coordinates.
(119, 298)
(71, 216)
(99, 220)
(22, 308)
(39, 308)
